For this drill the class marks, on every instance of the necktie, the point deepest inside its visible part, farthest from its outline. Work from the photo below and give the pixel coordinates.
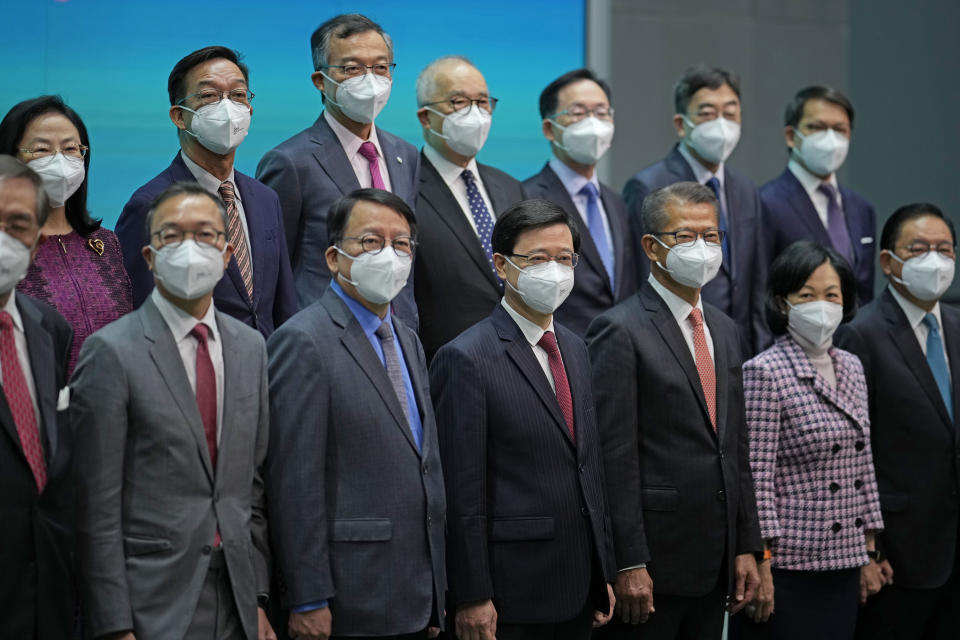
(369, 151)
(21, 406)
(714, 184)
(597, 230)
(237, 238)
(395, 373)
(938, 362)
(481, 216)
(708, 380)
(548, 342)
(207, 398)
(836, 224)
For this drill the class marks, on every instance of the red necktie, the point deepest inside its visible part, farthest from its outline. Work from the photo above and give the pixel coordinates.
(708, 379)
(207, 397)
(21, 406)
(369, 151)
(549, 344)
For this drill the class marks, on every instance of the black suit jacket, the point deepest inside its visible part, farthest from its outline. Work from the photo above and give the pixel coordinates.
(592, 293)
(916, 450)
(681, 494)
(455, 286)
(527, 515)
(37, 584)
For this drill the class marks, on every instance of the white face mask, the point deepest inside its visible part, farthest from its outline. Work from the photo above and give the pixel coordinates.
(466, 130)
(693, 265)
(190, 270)
(585, 141)
(378, 277)
(713, 140)
(361, 98)
(220, 127)
(61, 176)
(927, 277)
(14, 260)
(815, 322)
(543, 287)
(822, 152)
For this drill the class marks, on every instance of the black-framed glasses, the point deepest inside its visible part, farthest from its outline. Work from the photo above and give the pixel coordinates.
(174, 236)
(42, 150)
(566, 259)
(459, 103)
(214, 96)
(374, 243)
(578, 112)
(355, 70)
(919, 248)
(686, 237)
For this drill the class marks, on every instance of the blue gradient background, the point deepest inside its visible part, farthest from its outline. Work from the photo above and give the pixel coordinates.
(110, 62)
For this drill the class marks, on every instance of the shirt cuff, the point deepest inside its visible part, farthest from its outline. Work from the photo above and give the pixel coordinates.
(310, 606)
(642, 565)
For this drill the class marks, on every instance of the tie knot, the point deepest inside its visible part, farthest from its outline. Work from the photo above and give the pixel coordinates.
(226, 191)
(714, 184)
(384, 332)
(369, 151)
(548, 342)
(199, 332)
(6, 320)
(467, 176)
(589, 190)
(696, 317)
(929, 320)
(827, 189)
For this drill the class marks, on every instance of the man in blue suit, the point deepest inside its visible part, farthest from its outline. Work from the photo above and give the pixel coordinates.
(805, 202)
(707, 120)
(342, 151)
(210, 106)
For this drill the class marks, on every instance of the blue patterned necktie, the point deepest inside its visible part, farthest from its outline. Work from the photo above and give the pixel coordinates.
(938, 362)
(481, 216)
(598, 230)
(714, 184)
(836, 224)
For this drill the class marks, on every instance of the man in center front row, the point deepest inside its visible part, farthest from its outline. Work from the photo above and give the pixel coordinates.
(669, 395)
(529, 546)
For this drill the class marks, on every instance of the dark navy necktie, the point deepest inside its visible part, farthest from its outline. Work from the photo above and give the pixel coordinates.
(836, 224)
(481, 215)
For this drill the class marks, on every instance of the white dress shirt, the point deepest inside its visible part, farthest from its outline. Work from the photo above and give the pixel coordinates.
(452, 175)
(703, 175)
(681, 309)
(573, 182)
(351, 146)
(533, 332)
(20, 340)
(181, 324)
(811, 184)
(212, 184)
(915, 317)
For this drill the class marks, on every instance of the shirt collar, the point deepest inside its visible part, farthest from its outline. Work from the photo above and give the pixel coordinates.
(679, 307)
(207, 180)
(808, 181)
(572, 181)
(530, 330)
(349, 140)
(14, 311)
(182, 323)
(449, 171)
(914, 313)
(369, 321)
(700, 172)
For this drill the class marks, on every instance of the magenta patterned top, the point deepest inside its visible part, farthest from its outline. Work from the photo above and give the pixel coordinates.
(83, 279)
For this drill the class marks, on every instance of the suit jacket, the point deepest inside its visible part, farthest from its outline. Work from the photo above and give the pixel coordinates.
(357, 512)
(812, 471)
(916, 450)
(681, 493)
(309, 172)
(455, 287)
(149, 501)
(592, 293)
(789, 216)
(274, 298)
(36, 540)
(748, 273)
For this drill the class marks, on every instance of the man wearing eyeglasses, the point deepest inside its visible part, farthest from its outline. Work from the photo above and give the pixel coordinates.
(578, 121)
(210, 105)
(459, 201)
(342, 151)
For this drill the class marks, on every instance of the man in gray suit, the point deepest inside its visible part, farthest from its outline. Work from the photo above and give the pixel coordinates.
(342, 151)
(354, 484)
(170, 411)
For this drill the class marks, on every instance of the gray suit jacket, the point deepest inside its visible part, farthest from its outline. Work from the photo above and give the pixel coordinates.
(149, 502)
(357, 514)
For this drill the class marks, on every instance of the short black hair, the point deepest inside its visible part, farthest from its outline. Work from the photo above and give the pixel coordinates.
(698, 77)
(341, 27)
(525, 216)
(893, 225)
(185, 188)
(176, 86)
(11, 168)
(548, 97)
(794, 110)
(654, 216)
(15, 124)
(339, 214)
(791, 270)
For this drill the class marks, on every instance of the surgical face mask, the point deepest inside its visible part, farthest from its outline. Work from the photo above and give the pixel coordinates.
(822, 152)
(927, 277)
(361, 98)
(14, 260)
(586, 140)
(543, 287)
(189, 270)
(693, 265)
(466, 130)
(61, 176)
(378, 277)
(816, 321)
(713, 140)
(220, 127)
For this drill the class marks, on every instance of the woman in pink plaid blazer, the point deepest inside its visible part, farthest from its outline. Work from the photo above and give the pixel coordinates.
(810, 454)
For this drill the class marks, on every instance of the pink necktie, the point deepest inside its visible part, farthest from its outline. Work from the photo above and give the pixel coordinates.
(549, 344)
(207, 397)
(369, 151)
(21, 406)
(708, 379)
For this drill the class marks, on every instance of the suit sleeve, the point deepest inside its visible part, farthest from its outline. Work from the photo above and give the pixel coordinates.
(285, 296)
(132, 235)
(763, 424)
(761, 336)
(748, 526)
(278, 172)
(258, 501)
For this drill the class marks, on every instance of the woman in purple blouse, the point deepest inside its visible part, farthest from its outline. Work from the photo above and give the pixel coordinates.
(78, 268)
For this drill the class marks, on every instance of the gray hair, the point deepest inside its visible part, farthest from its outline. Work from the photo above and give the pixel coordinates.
(342, 26)
(427, 80)
(654, 216)
(11, 169)
(185, 189)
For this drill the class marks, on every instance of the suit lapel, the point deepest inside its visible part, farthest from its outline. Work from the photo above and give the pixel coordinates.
(231, 374)
(40, 351)
(579, 382)
(412, 358)
(332, 158)
(721, 368)
(951, 336)
(255, 237)
(618, 233)
(393, 160)
(799, 200)
(844, 397)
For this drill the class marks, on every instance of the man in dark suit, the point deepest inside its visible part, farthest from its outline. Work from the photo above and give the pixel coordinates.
(909, 344)
(459, 200)
(707, 120)
(578, 122)
(342, 151)
(210, 106)
(530, 553)
(37, 596)
(805, 202)
(669, 397)
(354, 483)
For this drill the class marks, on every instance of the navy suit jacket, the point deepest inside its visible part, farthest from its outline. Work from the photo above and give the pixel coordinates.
(592, 293)
(789, 216)
(309, 172)
(274, 299)
(748, 274)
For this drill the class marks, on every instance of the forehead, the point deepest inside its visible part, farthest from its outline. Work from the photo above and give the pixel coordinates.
(686, 215)
(926, 227)
(18, 196)
(553, 237)
(359, 46)
(818, 109)
(583, 91)
(218, 71)
(457, 77)
(372, 216)
(823, 276)
(188, 210)
(51, 126)
(719, 97)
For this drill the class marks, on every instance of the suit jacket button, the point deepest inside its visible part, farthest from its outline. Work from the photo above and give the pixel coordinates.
(857, 484)
(206, 549)
(429, 521)
(722, 495)
(858, 522)
(859, 445)
(580, 468)
(836, 448)
(836, 527)
(426, 469)
(584, 512)
(834, 487)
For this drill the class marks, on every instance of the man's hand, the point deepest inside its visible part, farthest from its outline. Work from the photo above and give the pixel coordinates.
(264, 630)
(599, 617)
(871, 580)
(119, 635)
(634, 594)
(476, 621)
(763, 602)
(887, 571)
(747, 582)
(310, 625)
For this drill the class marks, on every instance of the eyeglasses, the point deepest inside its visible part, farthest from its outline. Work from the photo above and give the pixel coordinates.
(174, 237)
(214, 96)
(919, 248)
(374, 243)
(355, 70)
(42, 150)
(567, 259)
(20, 228)
(578, 112)
(685, 237)
(459, 103)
